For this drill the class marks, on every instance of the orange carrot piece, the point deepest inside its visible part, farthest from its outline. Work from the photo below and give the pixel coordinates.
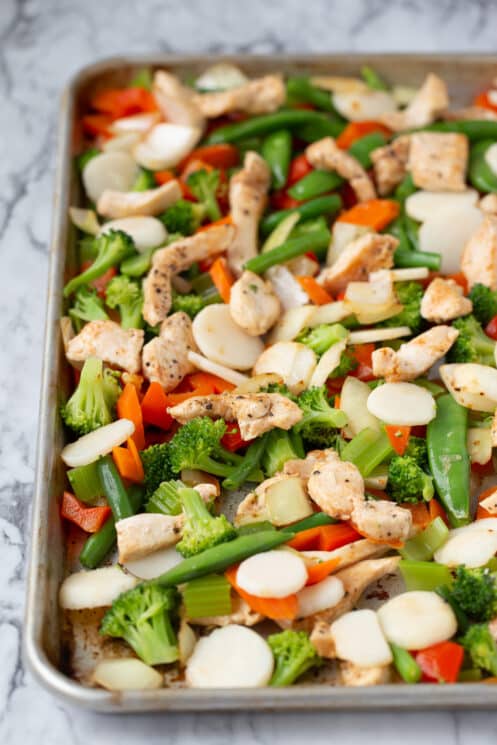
(226, 220)
(139, 474)
(317, 572)
(128, 407)
(436, 510)
(218, 156)
(420, 514)
(324, 537)
(275, 608)
(317, 294)
(208, 380)
(222, 278)
(398, 436)
(355, 130)
(375, 214)
(126, 464)
(154, 407)
(163, 177)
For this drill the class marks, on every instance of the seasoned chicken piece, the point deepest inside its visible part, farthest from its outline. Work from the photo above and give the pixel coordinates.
(259, 96)
(390, 164)
(428, 104)
(438, 161)
(358, 259)
(351, 553)
(488, 204)
(241, 613)
(107, 340)
(248, 196)
(415, 357)
(151, 202)
(381, 520)
(254, 306)
(256, 413)
(353, 675)
(355, 580)
(479, 258)
(141, 535)
(176, 101)
(165, 358)
(335, 486)
(494, 430)
(254, 507)
(322, 640)
(176, 258)
(326, 155)
(208, 491)
(444, 300)
(303, 467)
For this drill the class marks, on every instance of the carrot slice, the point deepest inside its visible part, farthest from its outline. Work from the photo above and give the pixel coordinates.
(317, 572)
(222, 278)
(126, 463)
(163, 177)
(217, 156)
(420, 514)
(154, 407)
(128, 407)
(398, 436)
(355, 130)
(317, 294)
(208, 380)
(275, 608)
(324, 537)
(375, 213)
(436, 510)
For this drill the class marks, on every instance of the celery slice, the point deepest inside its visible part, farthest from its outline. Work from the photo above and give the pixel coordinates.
(424, 575)
(85, 482)
(207, 596)
(424, 544)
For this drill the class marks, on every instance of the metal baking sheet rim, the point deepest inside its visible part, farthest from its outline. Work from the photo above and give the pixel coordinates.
(474, 696)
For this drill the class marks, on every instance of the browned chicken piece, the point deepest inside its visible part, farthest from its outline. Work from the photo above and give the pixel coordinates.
(259, 96)
(254, 507)
(176, 102)
(254, 306)
(335, 486)
(479, 258)
(109, 342)
(248, 197)
(444, 300)
(176, 258)
(116, 204)
(355, 580)
(353, 675)
(165, 358)
(141, 535)
(326, 155)
(322, 640)
(366, 254)
(488, 204)
(429, 103)
(390, 164)
(381, 520)
(415, 357)
(241, 613)
(303, 467)
(351, 553)
(255, 413)
(438, 161)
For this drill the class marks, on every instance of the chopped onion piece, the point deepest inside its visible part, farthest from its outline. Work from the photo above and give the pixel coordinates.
(286, 287)
(85, 220)
(166, 145)
(328, 362)
(328, 313)
(126, 674)
(139, 123)
(116, 171)
(291, 323)
(293, 361)
(479, 444)
(353, 402)
(473, 386)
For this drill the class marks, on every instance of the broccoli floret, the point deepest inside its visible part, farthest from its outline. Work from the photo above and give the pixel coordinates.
(183, 217)
(87, 249)
(322, 337)
(481, 647)
(197, 445)
(126, 295)
(484, 303)
(347, 364)
(190, 304)
(145, 180)
(201, 530)
(87, 307)
(417, 449)
(112, 248)
(293, 656)
(144, 617)
(166, 498)
(320, 422)
(472, 344)
(203, 185)
(407, 482)
(475, 591)
(93, 402)
(279, 448)
(156, 466)
(410, 295)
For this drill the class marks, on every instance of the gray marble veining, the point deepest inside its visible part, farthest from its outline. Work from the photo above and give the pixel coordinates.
(42, 43)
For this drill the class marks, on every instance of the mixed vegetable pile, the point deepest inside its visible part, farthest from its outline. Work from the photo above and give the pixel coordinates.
(287, 302)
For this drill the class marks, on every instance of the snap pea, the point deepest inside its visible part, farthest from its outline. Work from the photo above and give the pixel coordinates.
(480, 174)
(327, 205)
(449, 459)
(219, 558)
(313, 241)
(362, 148)
(264, 124)
(406, 259)
(405, 189)
(321, 126)
(314, 184)
(474, 129)
(412, 231)
(277, 152)
(250, 462)
(301, 89)
(372, 79)
(397, 229)
(406, 665)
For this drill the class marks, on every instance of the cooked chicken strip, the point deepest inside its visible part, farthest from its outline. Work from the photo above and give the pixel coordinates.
(254, 306)
(335, 485)
(176, 101)
(248, 197)
(381, 520)
(353, 675)
(256, 413)
(326, 155)
(351, 553)
(241, 613)
(438, 161)
(415, 357)
(141, 535)
(176, 258)
(254, 507)
(444, 300)
(479, 258)
(303, 467)
(428, 104)
(107, 340)
(260, 96)
(165, 358)
(488, 204)
(470, 112)
(390, 164)
(359, 258)
(323, 641)
(116, 204)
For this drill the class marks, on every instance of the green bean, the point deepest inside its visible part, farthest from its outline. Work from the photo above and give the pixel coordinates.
(362, 148)
(219, 558)
(250, 462)
(302, 90)
(449, 460)
(277, 152)
(412, 231)
(313, 521)
(314, 184)
(396, 228)
(405, 189)
(250, 528)
(480, 174)
(314, 241)
(372, 79)
(113, 489)
(406, 259)
(327, 205)
(406, 665)
(263, 125)
(474, 129)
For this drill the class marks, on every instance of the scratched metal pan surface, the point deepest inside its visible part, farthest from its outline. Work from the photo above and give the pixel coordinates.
(45, 649)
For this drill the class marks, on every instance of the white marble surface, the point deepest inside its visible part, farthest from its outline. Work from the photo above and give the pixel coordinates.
(42, 42)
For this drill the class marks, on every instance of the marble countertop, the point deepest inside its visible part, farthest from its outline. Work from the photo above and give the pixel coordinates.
(42, 43)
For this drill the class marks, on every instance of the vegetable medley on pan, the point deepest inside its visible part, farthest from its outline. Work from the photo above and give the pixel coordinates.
(282, 334)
